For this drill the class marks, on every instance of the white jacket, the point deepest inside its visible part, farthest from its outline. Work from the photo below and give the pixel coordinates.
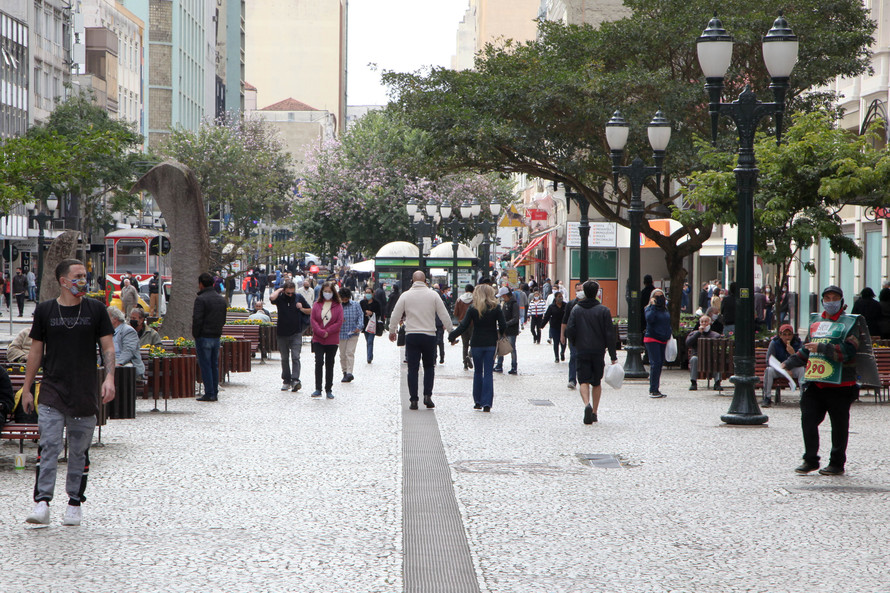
(420, 306)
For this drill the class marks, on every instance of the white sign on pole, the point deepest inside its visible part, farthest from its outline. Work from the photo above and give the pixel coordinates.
(602, 234)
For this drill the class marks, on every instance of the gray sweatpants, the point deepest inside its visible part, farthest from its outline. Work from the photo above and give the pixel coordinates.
(52, 423)
(290, 347)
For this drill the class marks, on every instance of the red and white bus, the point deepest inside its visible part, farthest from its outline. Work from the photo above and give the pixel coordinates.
(142, 252)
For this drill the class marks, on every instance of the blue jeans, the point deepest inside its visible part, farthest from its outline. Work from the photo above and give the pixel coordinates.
(417, 347)
(656, 361)
(500, 364)
(32, 293)
(369, 339)
(483, 382)
(573, 364)
(207, 351)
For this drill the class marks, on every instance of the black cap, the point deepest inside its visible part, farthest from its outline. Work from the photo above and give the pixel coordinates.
(833, 288)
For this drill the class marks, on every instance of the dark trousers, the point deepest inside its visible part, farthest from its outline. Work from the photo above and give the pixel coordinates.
(324, 357)
(536, 328)
(814, 403)
(656, 361)
(20, 301)
(559, 350)
(207, 351)
(417, 347)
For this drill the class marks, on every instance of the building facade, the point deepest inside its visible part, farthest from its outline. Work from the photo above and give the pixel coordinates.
(302, 127)
(14, 60)
(306, 39)
(491, 21)
(107, 57)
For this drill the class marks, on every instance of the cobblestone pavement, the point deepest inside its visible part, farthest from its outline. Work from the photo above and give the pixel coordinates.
(274, 491)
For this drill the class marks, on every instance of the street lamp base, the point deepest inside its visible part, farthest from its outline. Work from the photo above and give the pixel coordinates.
(744, 409)
(633, 364)
(744, 419)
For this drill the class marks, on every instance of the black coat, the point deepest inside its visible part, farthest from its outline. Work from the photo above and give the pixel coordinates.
(209, 314)
(872, 311)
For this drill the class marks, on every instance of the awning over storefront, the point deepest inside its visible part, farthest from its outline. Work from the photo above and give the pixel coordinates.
(531, 246)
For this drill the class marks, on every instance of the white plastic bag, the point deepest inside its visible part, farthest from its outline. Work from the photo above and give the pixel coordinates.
(614, 376)
(670, 351)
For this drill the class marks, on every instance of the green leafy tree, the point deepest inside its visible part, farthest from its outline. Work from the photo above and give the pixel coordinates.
(245, 177)
(81, 151)
(803, 185)
(541, 107)
(354, 191)
(102, 152)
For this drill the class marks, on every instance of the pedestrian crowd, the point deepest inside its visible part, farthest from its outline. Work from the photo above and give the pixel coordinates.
(336, 314)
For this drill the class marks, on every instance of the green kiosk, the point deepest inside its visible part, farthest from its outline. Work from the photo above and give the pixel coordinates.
(395, 263)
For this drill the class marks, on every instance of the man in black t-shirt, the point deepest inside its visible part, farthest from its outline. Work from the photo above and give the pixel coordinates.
(64, 337)
(291, 310)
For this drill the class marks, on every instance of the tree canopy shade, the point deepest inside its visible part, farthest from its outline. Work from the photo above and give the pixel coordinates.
(803, 185)
(80, 150)
(245, 178)
(354, 191)
(541, 107)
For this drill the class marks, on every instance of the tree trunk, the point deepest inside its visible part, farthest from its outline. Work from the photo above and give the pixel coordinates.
(178, 195)
(62, 247)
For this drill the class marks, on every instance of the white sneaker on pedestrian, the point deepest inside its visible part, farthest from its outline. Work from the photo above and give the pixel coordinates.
(73, 515)
(285, 386)
(40, 514)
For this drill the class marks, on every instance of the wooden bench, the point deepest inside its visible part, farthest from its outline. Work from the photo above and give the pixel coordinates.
(248, 332)
(14, 431)
(779, 382)
(882, 358)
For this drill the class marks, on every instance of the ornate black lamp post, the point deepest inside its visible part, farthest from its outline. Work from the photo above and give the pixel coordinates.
(486, 227)
(637, 173)
(41, 218)
(457, 224)
(780, 47)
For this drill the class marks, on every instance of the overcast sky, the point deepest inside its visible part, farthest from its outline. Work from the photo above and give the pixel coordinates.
(400, 35)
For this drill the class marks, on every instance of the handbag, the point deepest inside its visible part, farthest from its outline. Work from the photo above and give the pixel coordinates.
(400, 339)
(670, 350)
(504, 347)
(371, 326)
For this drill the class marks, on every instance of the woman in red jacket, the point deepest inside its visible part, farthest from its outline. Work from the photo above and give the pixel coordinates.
(326, 319)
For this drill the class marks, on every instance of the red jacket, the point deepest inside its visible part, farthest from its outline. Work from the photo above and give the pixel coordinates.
(332, 328)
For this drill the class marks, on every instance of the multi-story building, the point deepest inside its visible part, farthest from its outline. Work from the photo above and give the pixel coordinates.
(49, 52)
(577, 12)
(177, 77)
(488, 21)
(297, 48)
(13, 76)
(301, 126)
(107, 57)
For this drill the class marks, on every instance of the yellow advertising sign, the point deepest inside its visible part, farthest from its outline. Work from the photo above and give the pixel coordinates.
(512, 218)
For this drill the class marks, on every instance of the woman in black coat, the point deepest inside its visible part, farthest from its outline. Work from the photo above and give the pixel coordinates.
(489, 325)
(554, 315)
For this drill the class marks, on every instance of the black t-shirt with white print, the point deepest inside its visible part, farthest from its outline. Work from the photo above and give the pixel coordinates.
(70, 357)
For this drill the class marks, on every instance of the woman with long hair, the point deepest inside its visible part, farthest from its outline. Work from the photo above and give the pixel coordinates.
(488, 324)
(326, 319)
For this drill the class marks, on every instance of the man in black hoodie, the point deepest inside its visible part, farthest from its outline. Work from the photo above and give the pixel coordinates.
(591, 332)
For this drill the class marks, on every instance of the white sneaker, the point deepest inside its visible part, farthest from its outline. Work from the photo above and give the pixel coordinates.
(40, 514)
(285, 387)
(73, 515)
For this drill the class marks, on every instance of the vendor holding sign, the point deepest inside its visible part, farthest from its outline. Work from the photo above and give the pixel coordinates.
(837, 355)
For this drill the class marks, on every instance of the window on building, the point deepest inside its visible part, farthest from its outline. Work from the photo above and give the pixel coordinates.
(873, 276)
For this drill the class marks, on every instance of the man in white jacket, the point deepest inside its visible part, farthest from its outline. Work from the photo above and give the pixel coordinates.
(420, 306)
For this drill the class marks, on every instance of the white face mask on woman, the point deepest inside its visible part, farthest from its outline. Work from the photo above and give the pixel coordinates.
(327, 295)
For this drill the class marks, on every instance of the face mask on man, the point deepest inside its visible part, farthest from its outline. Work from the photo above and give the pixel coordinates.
(832, 307)
(78, 286)
(327, 295)
(134, 324)
(660, 301)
